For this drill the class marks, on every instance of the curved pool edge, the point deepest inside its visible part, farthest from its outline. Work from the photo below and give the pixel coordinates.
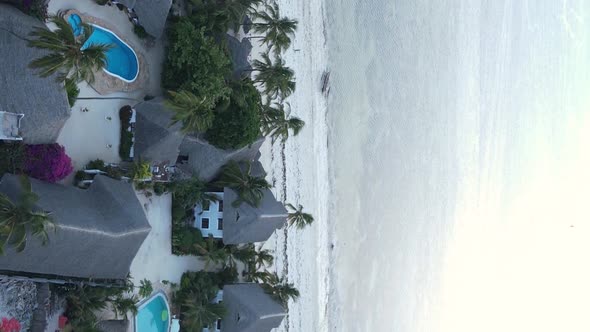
(141, 304)
(129, 46)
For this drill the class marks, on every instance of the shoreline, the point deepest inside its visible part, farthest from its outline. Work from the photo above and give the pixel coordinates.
(299, 173)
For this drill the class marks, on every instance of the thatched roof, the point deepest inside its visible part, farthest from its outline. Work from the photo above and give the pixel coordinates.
(42, 100)
(247, 224)
(98, 233)
(152, 14)
(239, 53)
(113, 325)
(155, 139)
(205, 160)
(250, 309)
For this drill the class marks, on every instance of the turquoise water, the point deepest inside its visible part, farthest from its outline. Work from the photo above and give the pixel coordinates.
(151, 316)
(121, 60)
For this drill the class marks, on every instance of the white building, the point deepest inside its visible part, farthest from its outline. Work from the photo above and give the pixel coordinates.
(209, 217)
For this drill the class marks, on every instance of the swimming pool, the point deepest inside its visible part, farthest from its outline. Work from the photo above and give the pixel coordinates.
(153, 315)
(121, 59)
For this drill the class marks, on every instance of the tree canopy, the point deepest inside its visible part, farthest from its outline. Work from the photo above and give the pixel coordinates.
(237, 123)
(195, 63)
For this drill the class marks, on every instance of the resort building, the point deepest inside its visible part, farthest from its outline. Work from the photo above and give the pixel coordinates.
(199, 157)
(98, 232)
(250, 309)
(160, 143)
(248, 224)
(242, 224)
(150, 14)
(42, 101)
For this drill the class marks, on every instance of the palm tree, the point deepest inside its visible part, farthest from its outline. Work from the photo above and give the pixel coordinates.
(249, 188)
(276, 79)
(237, 9)
(212, 253)
(280, 290)
(263, 257)
(277, 123)
(195, 114)
(123, 305)
(68, 56)
(278, 30)
(198, 313)
(18, 218)
(254, 275)
(297, 217)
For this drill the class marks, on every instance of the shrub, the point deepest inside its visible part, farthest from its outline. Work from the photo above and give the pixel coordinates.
(140, 31)
(126, 141)
(96, 164)
(11, 157)
(195, 63)
(237, 125)
(35, 8)
(101, 2)
(160, 188)
(72, 91)
(184, 239)
(47, 162)
(141, 171)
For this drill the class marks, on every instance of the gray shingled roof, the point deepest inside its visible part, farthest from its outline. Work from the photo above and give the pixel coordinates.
(247, 224)
(205, 160)
(42, 100)
(155, 139)
(239, 53)
(152, 14)
(113, 325)
(99, 230)
(250, 309)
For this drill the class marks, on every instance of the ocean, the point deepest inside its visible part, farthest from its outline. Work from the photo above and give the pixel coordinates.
(447, 169)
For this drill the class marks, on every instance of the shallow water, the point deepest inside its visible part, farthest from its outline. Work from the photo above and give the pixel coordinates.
(458, 165)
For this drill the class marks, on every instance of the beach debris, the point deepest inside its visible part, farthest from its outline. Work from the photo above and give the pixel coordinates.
(325, 83)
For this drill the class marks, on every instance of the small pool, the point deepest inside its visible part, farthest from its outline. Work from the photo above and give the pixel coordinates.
(121, 59)
(153, 315)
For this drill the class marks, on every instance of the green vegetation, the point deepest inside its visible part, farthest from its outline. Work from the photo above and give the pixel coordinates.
(11, 157)
(185, 195)
(279, 289)
(140, 31)
(195, 114)
(145, 288)
(141, 171)
(277, 123)
(277, 80)
(84, 301)
(195, 63)
(66, 58)
(277, 30)
(249, 188)
(72, 91)
(126, 141)
(297, 217)
(193, 298)
(238, 123)
(113, 172)
(18, 218)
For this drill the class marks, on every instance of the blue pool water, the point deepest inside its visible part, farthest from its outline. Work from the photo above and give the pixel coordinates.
(153, 315)
(121, 60)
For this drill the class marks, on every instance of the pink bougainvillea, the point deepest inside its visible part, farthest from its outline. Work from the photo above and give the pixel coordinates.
(47, 162)
(9, 325)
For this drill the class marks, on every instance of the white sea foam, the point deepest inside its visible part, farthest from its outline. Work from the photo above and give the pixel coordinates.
(457, 153)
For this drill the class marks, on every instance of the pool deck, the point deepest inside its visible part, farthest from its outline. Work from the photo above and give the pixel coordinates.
(105, 83)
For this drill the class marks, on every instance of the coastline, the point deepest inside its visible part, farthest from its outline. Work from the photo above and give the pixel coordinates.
(299, 172)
